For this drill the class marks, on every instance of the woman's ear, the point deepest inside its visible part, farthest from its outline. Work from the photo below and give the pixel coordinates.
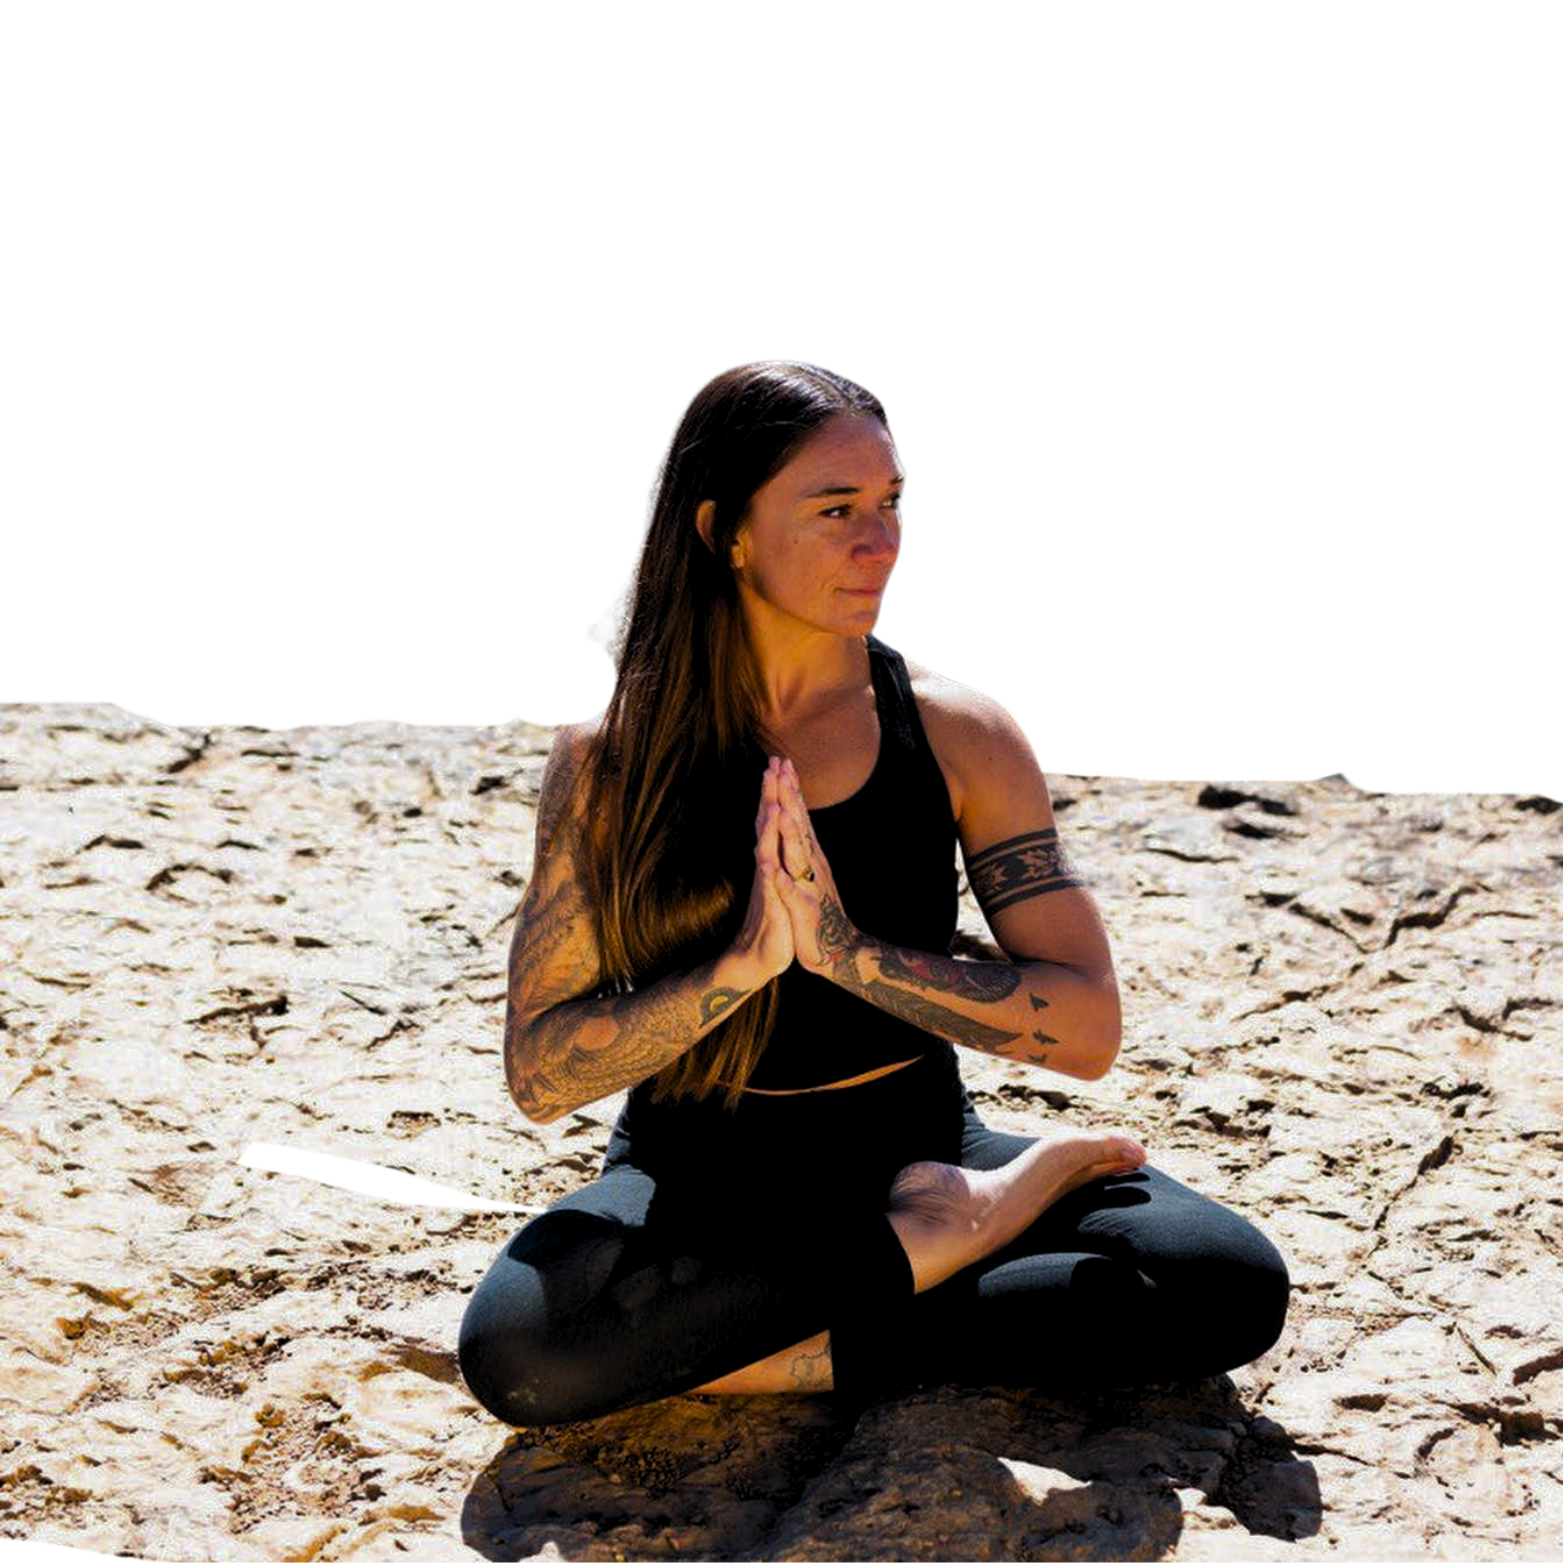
(705, 522)
(705, 525)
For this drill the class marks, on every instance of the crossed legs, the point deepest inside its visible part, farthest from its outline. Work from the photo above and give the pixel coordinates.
(606, 1301)
(948, 1218)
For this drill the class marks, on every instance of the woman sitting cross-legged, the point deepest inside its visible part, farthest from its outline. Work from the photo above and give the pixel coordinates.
(741, 907)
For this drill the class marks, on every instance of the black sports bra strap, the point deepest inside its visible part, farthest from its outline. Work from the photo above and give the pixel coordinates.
(893, 696)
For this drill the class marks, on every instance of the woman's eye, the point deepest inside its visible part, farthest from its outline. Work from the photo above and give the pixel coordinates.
(894, 502)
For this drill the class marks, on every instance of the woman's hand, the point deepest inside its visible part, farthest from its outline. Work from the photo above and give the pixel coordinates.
(764, 944)
(821, 934)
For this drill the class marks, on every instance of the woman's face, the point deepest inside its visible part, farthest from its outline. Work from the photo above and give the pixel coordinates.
(821, 537)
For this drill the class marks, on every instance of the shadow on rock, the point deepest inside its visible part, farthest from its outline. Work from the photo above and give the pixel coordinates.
(693, 1477)
(948, 1472)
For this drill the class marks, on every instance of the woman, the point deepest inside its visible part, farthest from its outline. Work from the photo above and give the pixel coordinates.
(743, 896)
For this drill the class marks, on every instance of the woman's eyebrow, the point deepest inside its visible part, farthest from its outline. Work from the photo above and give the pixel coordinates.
(842, 488)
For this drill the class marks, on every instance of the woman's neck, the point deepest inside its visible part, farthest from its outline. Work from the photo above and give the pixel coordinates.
(801, 668)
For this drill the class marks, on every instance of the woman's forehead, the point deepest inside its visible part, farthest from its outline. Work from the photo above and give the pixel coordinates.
(845, 452)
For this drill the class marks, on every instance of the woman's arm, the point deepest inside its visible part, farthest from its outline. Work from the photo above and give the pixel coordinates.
(581, 1050)
(1054, 1002)
(1039, 1012)
(565, 1046)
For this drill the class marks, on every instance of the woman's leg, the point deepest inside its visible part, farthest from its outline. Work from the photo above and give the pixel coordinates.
(1135, 1278)
(793, 1272)
(621, 1295)
(947, 1219)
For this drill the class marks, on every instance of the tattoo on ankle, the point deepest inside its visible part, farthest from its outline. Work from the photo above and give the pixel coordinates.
(811, 1369)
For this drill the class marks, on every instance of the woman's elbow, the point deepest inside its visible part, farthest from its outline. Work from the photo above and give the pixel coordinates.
(1101, 1058)
(528, 1087)
(1102, 1063)
(1112, 1029)
(536, 1105)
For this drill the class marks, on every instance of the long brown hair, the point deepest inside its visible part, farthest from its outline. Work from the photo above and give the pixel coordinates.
(674, 778)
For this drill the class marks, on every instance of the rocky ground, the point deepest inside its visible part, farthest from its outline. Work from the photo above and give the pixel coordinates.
(1342, 1018)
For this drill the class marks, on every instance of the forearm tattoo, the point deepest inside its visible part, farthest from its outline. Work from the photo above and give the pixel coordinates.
(911, 984)
(645, 1031)
(1038, 1002)
(1018, 869)
(579, 1047)
(835, 933)
(937, 1018)
(718, 1001)
(978, 982)
(983, 982)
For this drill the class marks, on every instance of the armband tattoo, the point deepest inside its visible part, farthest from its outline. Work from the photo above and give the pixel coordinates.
(1017, 869)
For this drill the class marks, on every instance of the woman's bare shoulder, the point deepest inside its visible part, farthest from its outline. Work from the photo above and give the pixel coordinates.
(956, 713)
(561, 795)
(972, 735)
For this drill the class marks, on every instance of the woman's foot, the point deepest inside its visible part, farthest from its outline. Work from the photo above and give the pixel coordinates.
(949, 1217)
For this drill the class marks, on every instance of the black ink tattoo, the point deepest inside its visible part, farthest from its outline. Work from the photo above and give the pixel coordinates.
(836, 935)
(810, 1370)
(936, 1018)
(929, 1016)
(983, 982)
(1017, 869)
(718, 1001)
(645, 1031)
(1045, 1039)
(553, 946)
(581, 1043)
(1038, 1002)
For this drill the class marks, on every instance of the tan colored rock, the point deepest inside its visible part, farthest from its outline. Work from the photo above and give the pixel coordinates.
(1342, 1017)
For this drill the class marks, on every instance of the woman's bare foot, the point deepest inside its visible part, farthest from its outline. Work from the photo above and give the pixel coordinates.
(949, 1217)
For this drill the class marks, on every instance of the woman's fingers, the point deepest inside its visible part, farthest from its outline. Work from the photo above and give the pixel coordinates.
(800, 851)
(768, 835)
(767, 823)
(778, 831)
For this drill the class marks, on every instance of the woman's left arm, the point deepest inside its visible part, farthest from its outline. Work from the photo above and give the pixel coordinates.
(1054, 1001)
(1036, 1012)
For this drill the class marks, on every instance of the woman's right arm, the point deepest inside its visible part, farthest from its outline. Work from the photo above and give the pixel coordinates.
(563, 1046)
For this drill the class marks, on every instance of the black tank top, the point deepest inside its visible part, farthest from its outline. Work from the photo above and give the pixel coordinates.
(891, 848)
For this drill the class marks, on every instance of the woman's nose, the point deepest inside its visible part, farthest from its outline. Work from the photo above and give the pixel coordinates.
(879, 537)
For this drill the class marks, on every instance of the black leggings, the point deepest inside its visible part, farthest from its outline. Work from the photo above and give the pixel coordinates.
(712, 1240)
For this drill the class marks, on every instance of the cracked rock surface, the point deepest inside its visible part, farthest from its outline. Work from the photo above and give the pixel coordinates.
(1341, 1018)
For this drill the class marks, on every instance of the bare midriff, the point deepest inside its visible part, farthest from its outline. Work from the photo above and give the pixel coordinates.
(833, 1085)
